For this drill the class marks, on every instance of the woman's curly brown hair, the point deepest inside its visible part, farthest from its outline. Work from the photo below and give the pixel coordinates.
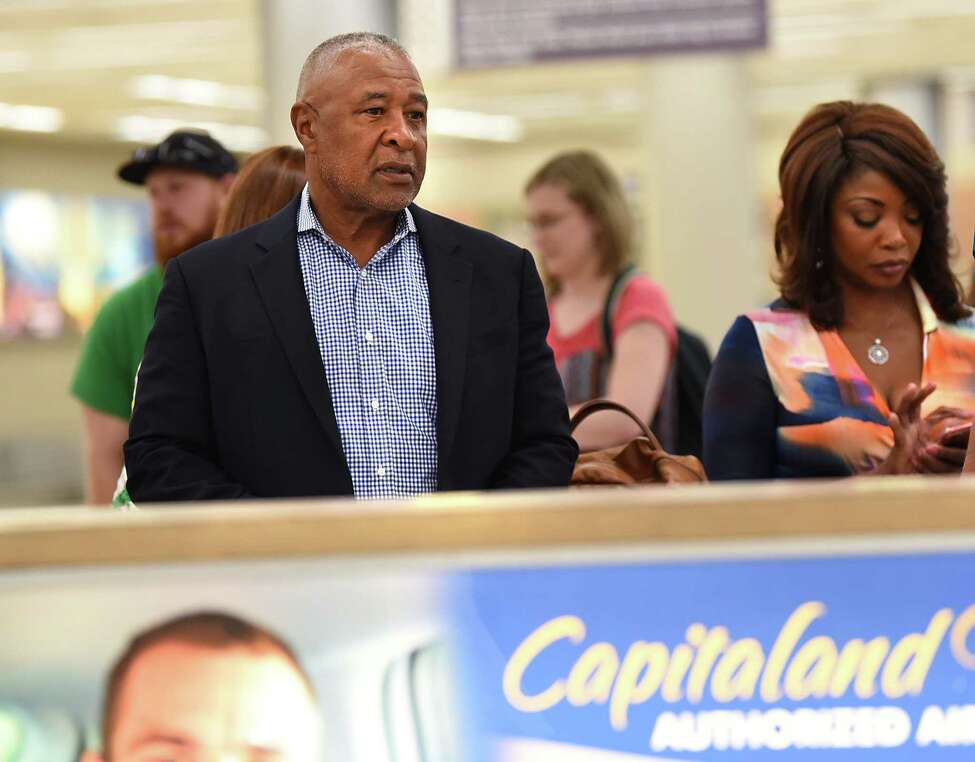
(837, 141)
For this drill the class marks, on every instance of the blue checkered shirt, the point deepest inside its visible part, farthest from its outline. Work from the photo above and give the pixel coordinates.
(376, 340)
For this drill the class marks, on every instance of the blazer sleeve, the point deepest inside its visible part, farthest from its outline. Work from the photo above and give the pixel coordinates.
(740, 410)
(171, 451)
(542, 452)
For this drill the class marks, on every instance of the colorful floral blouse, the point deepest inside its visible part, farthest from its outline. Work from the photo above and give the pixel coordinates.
(787, 401)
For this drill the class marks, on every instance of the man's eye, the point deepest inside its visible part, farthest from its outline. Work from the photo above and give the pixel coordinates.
(375, 111)
(417, 116)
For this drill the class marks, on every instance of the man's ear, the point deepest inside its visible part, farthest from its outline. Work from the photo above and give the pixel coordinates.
(303, 123)
(227, 181)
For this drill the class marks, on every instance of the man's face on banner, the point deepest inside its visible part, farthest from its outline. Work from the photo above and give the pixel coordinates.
(186, 703)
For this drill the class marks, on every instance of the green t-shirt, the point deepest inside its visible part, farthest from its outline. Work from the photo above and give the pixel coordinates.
(112, 350)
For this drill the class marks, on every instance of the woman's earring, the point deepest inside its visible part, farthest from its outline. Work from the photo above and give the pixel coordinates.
(819, 264)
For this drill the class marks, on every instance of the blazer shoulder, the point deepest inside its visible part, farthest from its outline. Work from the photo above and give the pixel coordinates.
(232, 250)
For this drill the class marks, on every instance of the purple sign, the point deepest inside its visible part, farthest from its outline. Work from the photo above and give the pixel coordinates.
(498, 32)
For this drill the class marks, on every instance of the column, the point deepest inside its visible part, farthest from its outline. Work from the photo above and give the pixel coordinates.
(700, 205)
(292, 28)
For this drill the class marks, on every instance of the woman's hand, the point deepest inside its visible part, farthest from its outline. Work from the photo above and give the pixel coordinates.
(934, 456)
(909, 429)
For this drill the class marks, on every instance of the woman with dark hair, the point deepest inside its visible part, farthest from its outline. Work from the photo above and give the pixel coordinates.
(583, 233)
(267, 181)
(870, 331)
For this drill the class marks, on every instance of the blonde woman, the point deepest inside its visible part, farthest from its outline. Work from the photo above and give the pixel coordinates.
(582, 231)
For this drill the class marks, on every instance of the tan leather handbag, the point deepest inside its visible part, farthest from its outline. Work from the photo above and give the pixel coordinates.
(639, 461)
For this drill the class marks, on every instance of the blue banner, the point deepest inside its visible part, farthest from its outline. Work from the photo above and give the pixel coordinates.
(852, 658)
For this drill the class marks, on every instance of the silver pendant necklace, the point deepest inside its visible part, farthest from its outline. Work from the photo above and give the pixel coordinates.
(878, 354)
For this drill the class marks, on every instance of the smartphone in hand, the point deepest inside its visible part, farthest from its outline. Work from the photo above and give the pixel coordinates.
(956, 436)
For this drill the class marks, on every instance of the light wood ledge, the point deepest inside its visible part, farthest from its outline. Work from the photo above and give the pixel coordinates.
(892, 506)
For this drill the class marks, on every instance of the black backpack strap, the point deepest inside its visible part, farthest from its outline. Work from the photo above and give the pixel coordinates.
(609, 308)
(693, 363)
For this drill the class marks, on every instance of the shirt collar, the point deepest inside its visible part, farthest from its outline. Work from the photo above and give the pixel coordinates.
(308, 220)
(929, 319)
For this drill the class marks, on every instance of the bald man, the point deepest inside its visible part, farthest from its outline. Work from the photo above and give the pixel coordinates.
(354, 344)
(208, 686)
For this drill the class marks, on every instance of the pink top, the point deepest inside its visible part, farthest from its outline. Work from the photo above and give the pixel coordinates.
(580, 356)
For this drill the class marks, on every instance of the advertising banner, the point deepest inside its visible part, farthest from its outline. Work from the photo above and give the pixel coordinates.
(787, 648)
(843, 658)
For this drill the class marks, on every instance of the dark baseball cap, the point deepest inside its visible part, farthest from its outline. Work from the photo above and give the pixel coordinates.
(183, 149)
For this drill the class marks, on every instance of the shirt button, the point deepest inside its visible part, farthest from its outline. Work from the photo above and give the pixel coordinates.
(369, 336)
(380, 472)
(375, 404)
(362, 273)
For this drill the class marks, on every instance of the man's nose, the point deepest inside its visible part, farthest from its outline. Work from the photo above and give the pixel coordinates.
(162, 205)
(401, 133)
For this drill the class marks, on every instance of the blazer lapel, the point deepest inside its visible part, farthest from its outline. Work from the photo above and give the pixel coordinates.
(277, 275)
(449, 283)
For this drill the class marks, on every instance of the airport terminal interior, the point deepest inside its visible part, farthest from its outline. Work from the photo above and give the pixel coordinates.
(702, 623)
(695, 137)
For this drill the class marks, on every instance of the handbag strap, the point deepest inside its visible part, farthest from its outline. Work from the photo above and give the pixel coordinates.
(594, 406)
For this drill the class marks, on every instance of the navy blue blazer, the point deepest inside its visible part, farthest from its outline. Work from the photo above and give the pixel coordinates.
(232, 399)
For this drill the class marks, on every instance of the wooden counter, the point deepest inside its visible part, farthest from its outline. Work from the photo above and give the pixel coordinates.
(888, 507)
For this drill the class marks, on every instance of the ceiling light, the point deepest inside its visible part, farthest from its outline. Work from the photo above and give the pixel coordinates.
(197, 92)
(147, 129)
(14, 60)
(30, 118)
(498, 128)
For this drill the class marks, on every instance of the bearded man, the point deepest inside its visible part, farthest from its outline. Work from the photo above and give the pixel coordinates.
(187, 176)
(354, 343)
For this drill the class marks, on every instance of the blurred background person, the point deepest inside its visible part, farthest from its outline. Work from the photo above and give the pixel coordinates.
(870, 329)
(187, 177)
(268, 180)
(208, 685)
(582, 230)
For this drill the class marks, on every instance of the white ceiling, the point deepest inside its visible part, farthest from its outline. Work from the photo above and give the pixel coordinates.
(128, 69)
(85, 58)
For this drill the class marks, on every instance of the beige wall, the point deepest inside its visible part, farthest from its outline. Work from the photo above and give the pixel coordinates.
(40, 454)
(52, 164)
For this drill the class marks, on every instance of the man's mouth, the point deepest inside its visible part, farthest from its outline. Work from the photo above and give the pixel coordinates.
(396, 170)
(169, 228)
